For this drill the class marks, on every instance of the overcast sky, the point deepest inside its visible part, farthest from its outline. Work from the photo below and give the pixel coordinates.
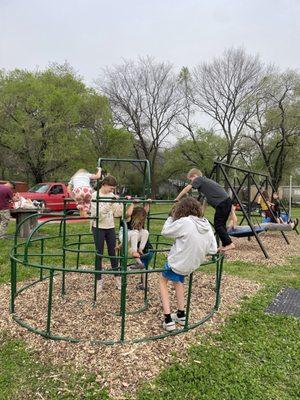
(91, 34)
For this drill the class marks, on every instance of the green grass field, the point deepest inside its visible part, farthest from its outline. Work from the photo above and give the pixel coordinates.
(254, 356)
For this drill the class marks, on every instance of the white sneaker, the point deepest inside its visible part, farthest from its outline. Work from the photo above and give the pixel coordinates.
(169, 326)
(99, 286)
(180, 321)
(118, 282)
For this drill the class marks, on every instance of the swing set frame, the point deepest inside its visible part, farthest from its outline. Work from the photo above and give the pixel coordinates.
(221, 172)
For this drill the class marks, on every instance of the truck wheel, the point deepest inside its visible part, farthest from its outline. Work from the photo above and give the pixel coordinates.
(72, 212)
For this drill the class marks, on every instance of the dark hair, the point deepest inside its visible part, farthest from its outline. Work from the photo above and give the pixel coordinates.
(109, 180)
(266, 195)
(138, 218)
(13, 183)
(186, 207)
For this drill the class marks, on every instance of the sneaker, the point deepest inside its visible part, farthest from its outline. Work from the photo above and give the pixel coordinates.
(137, 265)
(99, 286)
(169, 326)
(180, 321)
(118, 282)
(140, 286)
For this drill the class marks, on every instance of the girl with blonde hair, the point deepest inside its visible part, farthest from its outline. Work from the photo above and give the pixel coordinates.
(80, 187)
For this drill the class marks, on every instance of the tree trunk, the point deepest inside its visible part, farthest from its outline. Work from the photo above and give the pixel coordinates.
(39, 176)
(153, 180)
(227, 169)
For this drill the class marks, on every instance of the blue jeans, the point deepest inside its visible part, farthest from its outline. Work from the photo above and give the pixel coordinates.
(146, 258)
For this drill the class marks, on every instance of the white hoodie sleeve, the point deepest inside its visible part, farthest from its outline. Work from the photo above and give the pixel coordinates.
(173, 229)
(213, 248)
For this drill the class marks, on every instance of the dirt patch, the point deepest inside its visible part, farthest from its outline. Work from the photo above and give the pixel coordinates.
(120, 367)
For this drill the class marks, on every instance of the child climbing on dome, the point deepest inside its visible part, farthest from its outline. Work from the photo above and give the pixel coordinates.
(194, 240)
(137, 234)
(104, 229)
(218, 198)
(138, 238)
(80, 187)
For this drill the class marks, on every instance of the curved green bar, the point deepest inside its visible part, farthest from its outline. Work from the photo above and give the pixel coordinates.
(22, 256)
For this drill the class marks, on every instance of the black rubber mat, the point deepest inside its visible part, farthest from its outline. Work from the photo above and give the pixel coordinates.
(287, 302)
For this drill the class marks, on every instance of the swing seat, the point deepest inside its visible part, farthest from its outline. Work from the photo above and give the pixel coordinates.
(245, 231)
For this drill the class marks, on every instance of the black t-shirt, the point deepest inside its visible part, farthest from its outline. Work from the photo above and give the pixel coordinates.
(276, 207)
(213, 192)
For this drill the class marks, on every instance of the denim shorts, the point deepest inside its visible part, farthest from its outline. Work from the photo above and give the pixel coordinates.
(171, 275)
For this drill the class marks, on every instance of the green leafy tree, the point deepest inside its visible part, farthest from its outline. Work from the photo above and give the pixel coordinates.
(275, 127)
(39, 118)
(51, 123)
(98, 137)
(200, 152)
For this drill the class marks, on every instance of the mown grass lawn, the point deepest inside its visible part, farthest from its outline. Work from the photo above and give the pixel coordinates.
(254, 356)
(24, 377)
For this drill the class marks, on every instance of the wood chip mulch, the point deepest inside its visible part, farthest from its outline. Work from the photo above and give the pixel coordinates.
(275, 244)
(121, 368)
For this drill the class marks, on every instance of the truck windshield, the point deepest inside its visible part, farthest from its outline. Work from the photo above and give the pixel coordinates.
(42, 188)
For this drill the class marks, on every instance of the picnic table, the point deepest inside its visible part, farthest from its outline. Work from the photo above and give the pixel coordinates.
(20, 214)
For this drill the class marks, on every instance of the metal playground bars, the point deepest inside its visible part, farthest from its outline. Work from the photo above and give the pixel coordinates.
(32, 254)
(220, 172)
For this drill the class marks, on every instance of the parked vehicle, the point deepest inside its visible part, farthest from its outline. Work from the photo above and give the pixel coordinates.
(51, 195)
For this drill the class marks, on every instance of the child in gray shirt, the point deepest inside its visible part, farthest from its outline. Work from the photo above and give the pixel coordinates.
(218, 198)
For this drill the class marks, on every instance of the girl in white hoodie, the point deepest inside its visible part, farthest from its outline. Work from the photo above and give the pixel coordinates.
(194, 239)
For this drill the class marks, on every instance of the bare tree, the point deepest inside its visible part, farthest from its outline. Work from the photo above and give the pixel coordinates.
(224, 89)
(186, 119)
(145, 100)
(275, 125)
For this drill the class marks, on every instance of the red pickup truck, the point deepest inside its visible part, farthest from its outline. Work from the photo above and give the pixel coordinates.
(51, 195)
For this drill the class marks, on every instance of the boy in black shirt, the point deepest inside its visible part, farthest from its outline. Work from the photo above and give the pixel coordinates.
(217, 197)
